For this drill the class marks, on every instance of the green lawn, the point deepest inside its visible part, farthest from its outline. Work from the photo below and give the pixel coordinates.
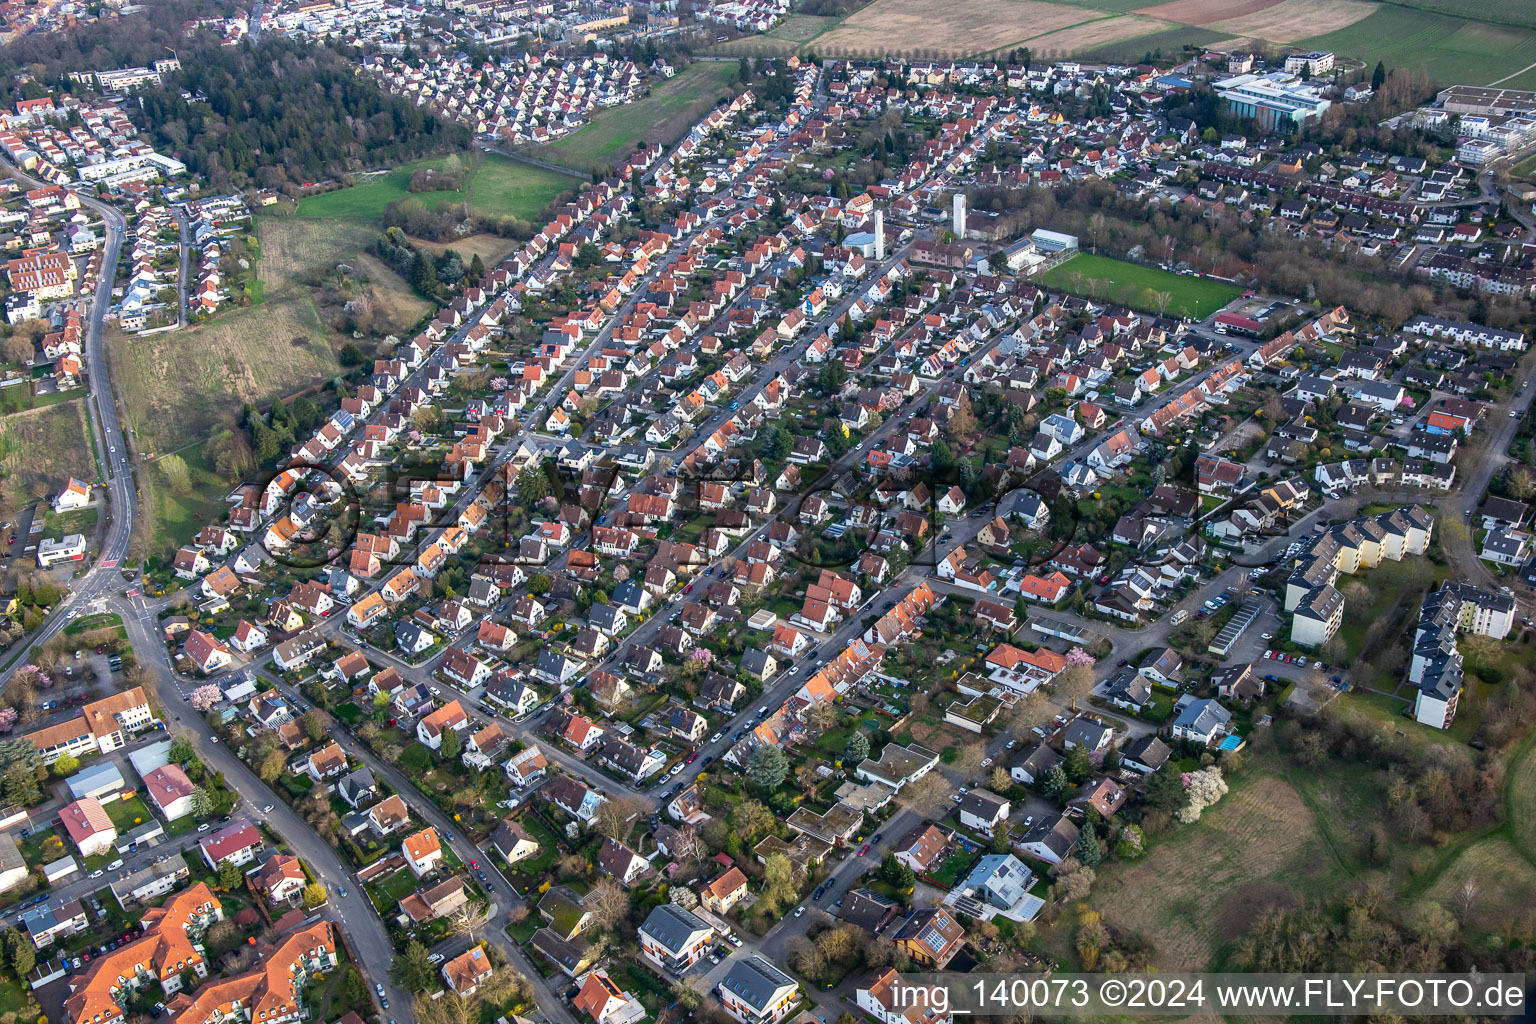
(662, 117)
(57, 525)
(1140, 287)
(1451, 49)
(497, 186)
(106, 620)
(178, 516)
(128, 814)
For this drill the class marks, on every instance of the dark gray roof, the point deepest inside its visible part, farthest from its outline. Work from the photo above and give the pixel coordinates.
(755, 981)
(671, 925)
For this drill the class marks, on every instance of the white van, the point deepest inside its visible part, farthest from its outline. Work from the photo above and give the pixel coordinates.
(1180, 616)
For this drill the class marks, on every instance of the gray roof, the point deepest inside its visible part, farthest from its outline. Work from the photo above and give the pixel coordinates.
(86, 781)
(755, 981)
(604, 616)
(1202, 716)
(672, 926)
(1148, 750)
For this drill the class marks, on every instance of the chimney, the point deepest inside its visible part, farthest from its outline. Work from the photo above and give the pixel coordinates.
(959, 226)
(879, 236)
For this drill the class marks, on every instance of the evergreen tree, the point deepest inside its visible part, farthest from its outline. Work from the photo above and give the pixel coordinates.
(1165, 790)
(451, 745)
(20, 954)
(1088, 849)
(768, 767)
(1378, 76)
(857, 748)
(424, 274)
(1054, 782)
(1079, 765)
(412, 970)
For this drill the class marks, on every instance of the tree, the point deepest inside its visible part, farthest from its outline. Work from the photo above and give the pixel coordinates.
(857, 747)
(1074, 683)
(314, 896)
(778, 884)
(20, 954)
(424, 274)
(67, 764)
(1378, 76)
(1079, 764)
(768, 767)
(609, 903)
(412, 970)
(18, 349)
(181, 751)
(998, 261)
(1206, 786)
(230, 876)
(205, 697)
(683, 896)
(751, 819)
(1520, 485)
(968, 760)
(615, 815)
(1130, 843)
(1088, 849)
(1054, 782)
(200, 803)
(314, 728)
(533, 485)
(1165, 790)
(451, 744)
(271, 766)
(832, 377)
(926, 796)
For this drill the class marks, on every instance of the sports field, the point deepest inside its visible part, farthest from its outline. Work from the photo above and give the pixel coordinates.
(662, 116)
(1140, 287)
(498, 186)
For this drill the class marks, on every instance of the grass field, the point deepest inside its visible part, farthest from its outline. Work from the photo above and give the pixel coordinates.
(1522, 801)
(491, 249)
(1202, 886)
(1454, 40)
(292, 247)
(1138, 286)
(498, 186)
(41, 448)
(1493, 879)
(178, 517)
(1503, 12)
(1450, 49)
(663, 116)
(176, 386)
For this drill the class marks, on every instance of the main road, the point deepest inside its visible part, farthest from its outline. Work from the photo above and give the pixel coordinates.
(100, 588)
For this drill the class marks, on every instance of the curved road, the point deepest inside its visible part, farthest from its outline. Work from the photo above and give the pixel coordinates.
(100, 588)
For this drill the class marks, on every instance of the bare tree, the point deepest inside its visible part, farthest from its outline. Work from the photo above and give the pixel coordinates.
(927, 795)
(615, 816)
(688, 845)
(968, 760)
(608, 902)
